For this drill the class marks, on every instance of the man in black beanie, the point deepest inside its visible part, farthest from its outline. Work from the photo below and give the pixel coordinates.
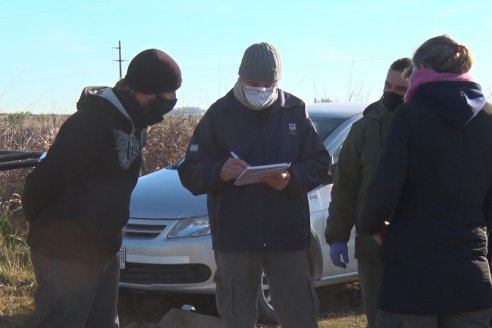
(77, 198)
(261, 226)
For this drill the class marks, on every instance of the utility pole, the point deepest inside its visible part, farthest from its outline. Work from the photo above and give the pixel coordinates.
(119, 60)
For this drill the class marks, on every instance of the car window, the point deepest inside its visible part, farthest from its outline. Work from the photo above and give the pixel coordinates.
(325, 126)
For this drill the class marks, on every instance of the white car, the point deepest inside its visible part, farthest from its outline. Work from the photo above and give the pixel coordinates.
(167, 244)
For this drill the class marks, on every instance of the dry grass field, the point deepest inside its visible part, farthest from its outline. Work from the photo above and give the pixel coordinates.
(340, 306)
(166, 142)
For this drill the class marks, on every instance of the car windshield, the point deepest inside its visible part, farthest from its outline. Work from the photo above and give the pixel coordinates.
(325, 125)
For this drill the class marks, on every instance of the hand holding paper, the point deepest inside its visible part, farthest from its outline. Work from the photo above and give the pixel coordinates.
(278, 181)
(270, 174)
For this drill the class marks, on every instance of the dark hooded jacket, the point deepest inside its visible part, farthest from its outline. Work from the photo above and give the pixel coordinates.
(434, 181)
(356, 166)
(76, 199)
(256, 217)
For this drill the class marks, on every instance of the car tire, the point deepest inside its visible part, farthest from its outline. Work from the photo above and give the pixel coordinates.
(266, 313)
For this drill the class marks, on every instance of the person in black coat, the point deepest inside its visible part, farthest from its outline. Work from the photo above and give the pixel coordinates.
(77, 198)
(434, 186)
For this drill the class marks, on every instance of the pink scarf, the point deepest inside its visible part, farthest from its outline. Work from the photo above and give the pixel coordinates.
(426, 75)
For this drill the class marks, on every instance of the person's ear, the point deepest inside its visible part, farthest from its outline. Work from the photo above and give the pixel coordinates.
(488, 108)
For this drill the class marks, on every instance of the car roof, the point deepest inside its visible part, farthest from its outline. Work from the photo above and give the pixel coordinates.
(335, 110)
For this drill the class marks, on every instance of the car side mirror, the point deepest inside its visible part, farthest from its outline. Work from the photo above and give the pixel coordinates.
(331, 173)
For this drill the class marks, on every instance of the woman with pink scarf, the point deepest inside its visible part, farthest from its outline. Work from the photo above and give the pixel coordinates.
(432, 197)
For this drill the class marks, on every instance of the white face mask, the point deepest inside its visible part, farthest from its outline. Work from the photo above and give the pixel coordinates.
(259, 97)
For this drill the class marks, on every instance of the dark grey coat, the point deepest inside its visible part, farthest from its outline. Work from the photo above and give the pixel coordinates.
(77, 198)
(434, 181)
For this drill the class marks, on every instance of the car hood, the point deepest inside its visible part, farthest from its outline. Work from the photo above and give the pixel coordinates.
(160, 195)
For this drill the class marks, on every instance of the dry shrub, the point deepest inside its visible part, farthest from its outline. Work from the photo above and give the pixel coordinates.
(167, 142)
(24, 132)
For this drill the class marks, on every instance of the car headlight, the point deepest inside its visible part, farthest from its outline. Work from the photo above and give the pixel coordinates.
(191, 227)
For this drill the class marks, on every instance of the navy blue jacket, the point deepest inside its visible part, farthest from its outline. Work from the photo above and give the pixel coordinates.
(256, 217)
(434, 181)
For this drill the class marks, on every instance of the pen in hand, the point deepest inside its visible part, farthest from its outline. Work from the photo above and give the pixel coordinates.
(232, 168)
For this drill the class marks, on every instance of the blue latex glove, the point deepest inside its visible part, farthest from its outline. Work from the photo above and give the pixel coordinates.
(338, 250)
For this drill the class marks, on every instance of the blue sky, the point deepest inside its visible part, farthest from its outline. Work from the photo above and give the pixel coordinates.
(333, 49)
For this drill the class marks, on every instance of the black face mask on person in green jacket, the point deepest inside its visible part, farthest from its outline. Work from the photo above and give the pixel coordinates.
(391, 100)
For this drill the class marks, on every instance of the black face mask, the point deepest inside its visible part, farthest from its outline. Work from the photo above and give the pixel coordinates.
(157, 109)
(391, 100)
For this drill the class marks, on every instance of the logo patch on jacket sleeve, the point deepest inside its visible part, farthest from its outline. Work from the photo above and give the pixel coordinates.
(292, 128)
(193, 147)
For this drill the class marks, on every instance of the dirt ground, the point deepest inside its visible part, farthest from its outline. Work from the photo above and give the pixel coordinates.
(144, 309)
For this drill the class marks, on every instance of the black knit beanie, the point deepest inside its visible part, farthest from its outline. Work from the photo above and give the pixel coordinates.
(261, 62)
(153, 71)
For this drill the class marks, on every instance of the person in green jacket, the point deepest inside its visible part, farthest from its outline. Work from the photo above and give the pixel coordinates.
(356, 166)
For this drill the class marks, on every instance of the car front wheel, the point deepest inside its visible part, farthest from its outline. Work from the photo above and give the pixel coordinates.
(266, 313)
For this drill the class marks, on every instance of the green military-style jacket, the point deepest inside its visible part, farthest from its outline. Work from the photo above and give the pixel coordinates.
(357, 164)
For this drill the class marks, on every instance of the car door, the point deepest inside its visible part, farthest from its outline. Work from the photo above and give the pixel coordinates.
(325, 193)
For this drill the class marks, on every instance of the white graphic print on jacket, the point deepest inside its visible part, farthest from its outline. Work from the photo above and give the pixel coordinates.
(128, 146)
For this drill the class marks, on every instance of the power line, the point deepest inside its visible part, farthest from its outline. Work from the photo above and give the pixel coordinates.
(119, 60)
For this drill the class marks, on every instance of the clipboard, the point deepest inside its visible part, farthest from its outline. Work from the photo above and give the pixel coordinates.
(254, 174)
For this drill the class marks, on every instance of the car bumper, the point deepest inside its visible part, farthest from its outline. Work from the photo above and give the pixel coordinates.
(180, 264)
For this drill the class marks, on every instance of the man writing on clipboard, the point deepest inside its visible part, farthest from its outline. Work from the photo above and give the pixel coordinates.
(275, 175)
(261, 225)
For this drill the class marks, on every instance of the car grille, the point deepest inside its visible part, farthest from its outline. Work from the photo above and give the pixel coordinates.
(138, 273)
(143, 230)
